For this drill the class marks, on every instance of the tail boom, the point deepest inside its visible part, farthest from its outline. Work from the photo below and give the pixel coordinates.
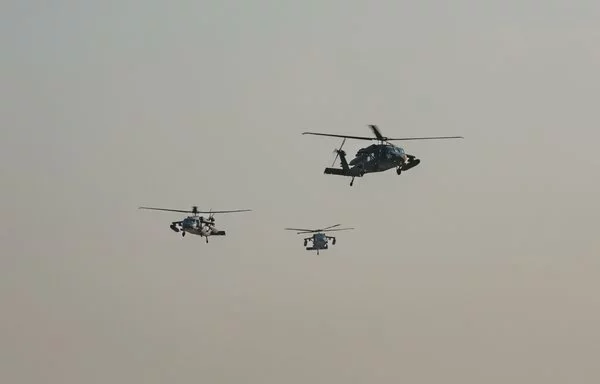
(345, 170)
(351, 172)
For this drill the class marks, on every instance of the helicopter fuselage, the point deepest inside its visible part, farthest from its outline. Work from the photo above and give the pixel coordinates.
(320, 241)
(197, 226)
(374, 158)
(378, 158)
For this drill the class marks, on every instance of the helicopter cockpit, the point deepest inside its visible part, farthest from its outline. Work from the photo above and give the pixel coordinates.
(190, 222)
(399, 151)
(320, 237)
(394, 152)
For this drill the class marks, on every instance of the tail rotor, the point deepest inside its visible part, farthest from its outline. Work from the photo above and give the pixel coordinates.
(338, 151)
(211, 218)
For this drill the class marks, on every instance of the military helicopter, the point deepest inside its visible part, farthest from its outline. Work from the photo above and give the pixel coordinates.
(196, 225)
(320, 241)
(376, 157)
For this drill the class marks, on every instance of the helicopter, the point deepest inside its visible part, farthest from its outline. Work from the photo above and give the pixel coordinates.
(320, 241)
(194, 224)
(376, 157)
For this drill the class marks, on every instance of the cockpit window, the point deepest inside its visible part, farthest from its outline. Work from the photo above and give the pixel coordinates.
(399, 151)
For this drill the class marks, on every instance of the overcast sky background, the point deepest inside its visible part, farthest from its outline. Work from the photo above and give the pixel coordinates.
(478, 266)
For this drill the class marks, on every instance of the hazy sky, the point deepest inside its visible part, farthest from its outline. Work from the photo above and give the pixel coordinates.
(478, 266)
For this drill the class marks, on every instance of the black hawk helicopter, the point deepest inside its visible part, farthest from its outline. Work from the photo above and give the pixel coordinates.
(194, 224)
(320, 241)
(376, 157)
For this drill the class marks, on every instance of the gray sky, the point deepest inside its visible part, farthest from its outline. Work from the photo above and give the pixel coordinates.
(480, 265)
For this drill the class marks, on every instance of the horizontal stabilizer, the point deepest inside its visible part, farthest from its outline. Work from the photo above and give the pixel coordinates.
(336, 171)
(351, 172)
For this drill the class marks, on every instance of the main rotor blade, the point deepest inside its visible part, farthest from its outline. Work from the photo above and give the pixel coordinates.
(166, 209)
(188, 211)
(300, 229)
(426, 138)
(232, 211)
(379, 137)
(344, 136)
(339, 229)
(376, 132)
(303, 231)
(324, 230)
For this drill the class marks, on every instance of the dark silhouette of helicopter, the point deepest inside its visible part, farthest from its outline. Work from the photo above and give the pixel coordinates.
(320, 241)
(376, 157)
(196, 225)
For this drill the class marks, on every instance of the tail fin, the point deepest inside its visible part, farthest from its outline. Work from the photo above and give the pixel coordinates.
(343, 160)
(345, 170)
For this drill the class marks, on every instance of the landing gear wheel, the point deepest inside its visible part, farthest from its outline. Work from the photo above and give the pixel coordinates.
(182, 234)
(399, 170)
